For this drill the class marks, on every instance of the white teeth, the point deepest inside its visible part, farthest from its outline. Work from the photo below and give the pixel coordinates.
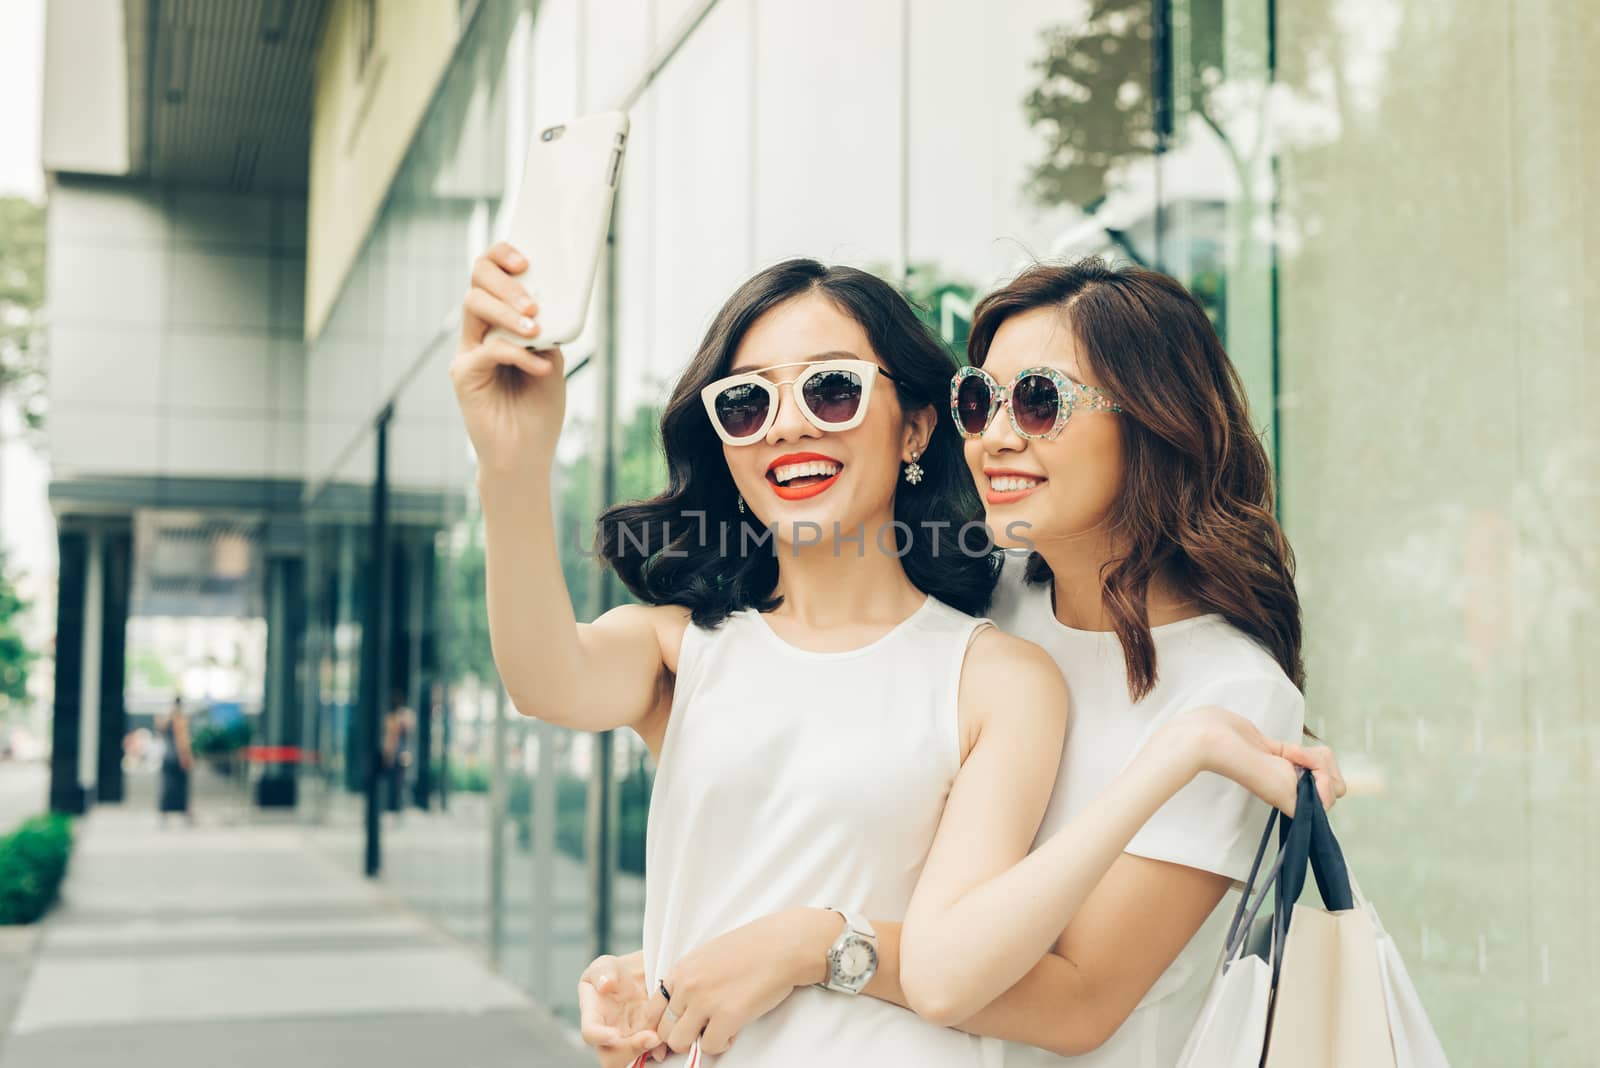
(1008, 483)
(787, 472)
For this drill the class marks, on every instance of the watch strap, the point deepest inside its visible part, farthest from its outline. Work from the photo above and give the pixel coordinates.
(854, 921)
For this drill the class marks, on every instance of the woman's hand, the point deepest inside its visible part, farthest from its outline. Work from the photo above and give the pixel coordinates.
(618, 1015)
(735, 978)
(1228, 744)
(513, 399)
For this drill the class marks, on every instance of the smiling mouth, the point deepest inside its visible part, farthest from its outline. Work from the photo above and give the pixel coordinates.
(803, 478)
(1003, 489)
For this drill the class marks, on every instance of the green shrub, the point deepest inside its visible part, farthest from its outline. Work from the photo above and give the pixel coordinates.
(210, 740)
(469, 778)
(33, 861)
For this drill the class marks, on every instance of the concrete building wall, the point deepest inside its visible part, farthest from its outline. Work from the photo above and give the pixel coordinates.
(85, 98)
(175, 332)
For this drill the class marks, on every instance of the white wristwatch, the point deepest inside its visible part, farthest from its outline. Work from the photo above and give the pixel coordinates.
(853, 959)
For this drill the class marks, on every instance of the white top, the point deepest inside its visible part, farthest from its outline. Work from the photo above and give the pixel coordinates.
(791, 778)
(1212, 824)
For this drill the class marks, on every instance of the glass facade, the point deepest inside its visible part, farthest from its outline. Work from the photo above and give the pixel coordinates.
(1404, 301)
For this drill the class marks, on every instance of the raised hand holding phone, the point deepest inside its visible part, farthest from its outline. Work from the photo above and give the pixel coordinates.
(560, 213)
(512, 398)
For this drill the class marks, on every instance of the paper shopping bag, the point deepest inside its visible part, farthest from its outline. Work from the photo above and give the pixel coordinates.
(1330, 1011)
(1416, 1044)
(1231, 1028)
(1232, 1025)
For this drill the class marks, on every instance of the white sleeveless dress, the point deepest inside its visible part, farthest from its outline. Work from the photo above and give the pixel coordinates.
(791, 778)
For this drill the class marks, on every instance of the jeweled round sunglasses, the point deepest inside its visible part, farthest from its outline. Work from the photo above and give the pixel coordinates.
(1040, 401)
(831, 394)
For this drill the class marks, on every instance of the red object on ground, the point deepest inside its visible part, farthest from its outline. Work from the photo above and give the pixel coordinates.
(279, 754)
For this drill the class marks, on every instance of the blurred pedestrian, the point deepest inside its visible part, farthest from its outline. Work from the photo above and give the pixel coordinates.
(177, 759)
(398, 725)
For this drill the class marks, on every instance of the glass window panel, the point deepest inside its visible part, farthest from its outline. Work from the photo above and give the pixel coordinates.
(827, 161)
(1033, 152)
(1436, 252)
(617, 46)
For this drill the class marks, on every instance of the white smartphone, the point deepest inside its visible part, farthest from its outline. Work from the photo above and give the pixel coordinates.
(559, 220)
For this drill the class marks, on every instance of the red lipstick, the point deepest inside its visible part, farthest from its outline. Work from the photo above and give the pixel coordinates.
(800, 493)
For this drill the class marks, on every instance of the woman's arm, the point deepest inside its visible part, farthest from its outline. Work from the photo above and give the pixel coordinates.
(1129, 931)
(180, 739)
(1069, 1003)
(971, 934)
(990, 819)
(586, 676)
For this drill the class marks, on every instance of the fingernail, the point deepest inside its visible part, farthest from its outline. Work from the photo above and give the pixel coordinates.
(525, 324)
(529, 306)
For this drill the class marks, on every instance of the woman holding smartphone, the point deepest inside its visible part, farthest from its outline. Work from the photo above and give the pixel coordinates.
(825, 740)
(1102, 415)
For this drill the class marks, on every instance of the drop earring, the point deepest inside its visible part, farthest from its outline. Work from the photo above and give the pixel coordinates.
(914, 469)
(741, 502)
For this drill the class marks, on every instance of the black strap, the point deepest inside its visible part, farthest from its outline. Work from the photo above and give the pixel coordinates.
(1306, 841)
(1249, 887)
(1327, 860)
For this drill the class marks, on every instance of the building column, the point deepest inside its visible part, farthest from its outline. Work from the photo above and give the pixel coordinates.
(281, 713)
(424, 666)
(89, 668)
(90, 718)
(66, 789)
(116, 569)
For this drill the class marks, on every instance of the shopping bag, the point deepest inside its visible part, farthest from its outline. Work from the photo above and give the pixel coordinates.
(1416, 1044)
(1328, 1007)
(1231, 1029)
(1337, 993)
(1232, 1025)
(1329, 1010)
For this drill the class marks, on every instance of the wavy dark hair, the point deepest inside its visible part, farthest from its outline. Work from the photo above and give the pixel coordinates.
(665, 553)
(1196, 499)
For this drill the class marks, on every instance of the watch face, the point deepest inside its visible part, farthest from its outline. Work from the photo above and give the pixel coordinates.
(854, 962)
(854, 959)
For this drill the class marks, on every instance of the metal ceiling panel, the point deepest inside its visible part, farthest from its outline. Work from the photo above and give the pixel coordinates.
(220, 90)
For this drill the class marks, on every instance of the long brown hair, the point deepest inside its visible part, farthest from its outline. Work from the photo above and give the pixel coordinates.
(1196, 500)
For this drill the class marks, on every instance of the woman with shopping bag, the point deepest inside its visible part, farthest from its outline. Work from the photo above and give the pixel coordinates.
(1101, 415)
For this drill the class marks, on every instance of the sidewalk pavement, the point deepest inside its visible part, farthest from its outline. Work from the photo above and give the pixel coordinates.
(243, 945)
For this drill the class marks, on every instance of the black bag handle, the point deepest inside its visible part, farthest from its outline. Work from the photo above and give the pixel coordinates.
(1327, 859)
(1232, 944)
(1314, 847)
(1305, 841)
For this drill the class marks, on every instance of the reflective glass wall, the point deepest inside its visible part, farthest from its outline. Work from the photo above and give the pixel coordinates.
(1379, 205)
(1440, 462)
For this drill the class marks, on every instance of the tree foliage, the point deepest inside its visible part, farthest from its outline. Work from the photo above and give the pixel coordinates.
(22, 351)
(1092, 103)
(15, 656)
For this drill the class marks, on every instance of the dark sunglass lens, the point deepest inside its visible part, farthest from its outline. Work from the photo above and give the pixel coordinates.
(833, 396)
(972, 404)
(1036, 401)
(742, 409)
